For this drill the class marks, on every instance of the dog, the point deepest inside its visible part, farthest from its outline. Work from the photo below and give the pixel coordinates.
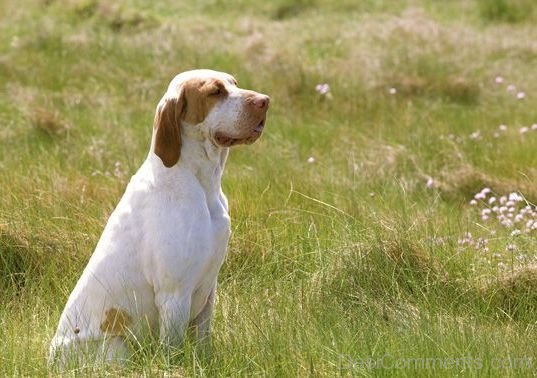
(154, 270)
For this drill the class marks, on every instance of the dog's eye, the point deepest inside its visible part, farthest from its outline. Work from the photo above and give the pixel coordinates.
(216, 92)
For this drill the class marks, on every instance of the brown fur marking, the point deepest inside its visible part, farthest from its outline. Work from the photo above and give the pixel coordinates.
(201, 96)
(197, 98)
(168, 138)
(115, 322)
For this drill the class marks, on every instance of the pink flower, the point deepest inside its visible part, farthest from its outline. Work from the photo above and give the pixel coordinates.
(322, 89)
(498, 80)
(521, 95)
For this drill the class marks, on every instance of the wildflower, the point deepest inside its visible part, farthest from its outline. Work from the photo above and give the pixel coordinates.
(430, 183)
(473, 202)
(534, 127)
(498, 80)
(511, 247)
(475, 135)
(523, 130)
(492, 200)
(392, 91)
(486, 190)
(511, 88)
(521, 95)
(515, 197)
(502, 127)
(484, 217)
(496, 135)
(480, 195)
(311, 160)
(515, 232)
(322, 89)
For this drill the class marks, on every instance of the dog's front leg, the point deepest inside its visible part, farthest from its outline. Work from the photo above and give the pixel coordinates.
(174, 313)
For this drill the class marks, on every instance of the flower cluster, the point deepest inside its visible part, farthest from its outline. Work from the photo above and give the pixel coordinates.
(510, 211)
(506, 225)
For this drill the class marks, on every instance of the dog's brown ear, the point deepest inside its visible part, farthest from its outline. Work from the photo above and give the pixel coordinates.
(168, 130)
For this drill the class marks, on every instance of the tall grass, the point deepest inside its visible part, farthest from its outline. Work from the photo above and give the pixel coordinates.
(350, 250)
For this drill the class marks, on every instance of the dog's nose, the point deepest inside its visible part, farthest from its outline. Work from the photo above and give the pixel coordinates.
(261, 101)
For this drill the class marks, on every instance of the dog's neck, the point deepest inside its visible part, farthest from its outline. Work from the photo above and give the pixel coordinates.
(204, 160)
(200, 157)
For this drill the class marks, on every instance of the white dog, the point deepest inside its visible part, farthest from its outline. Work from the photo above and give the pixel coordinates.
(155, 268)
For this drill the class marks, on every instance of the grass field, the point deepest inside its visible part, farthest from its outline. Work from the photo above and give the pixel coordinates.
(357, 247)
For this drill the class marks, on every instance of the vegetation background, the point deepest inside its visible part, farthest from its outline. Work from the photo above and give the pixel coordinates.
(354, 235)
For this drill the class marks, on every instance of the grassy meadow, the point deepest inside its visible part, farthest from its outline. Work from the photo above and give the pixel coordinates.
(384, 225)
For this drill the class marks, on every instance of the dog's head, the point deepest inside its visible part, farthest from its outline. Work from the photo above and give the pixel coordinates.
(212, 103)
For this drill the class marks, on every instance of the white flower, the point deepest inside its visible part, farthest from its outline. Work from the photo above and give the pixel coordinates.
(521, 95)
(498, 79)
(480, 195)
(534, 127)
(311, 160)
(430, 183)
(523, 130)
(392, 91)
(492, 200)
(475, 135)
(515, 197)
(502, 127)
(322, 89)
(511, 88)
(473, 202)
(515, 232)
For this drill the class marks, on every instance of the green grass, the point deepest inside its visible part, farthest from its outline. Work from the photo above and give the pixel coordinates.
(333, 264)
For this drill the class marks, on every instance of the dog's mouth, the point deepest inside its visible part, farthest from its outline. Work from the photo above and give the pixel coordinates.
(259, 128)
(225, 140)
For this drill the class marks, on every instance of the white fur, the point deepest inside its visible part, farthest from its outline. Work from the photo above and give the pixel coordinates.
(160, 252)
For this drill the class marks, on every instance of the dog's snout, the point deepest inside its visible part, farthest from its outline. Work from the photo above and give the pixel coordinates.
(259, 101)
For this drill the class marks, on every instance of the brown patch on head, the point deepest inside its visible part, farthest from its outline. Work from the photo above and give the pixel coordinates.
(201, 95)
(196, 99)
(115, 322)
